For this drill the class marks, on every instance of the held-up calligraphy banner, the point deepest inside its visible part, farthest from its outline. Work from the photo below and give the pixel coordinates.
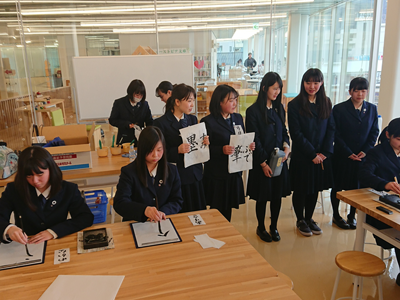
(242, 157)
(194, 135)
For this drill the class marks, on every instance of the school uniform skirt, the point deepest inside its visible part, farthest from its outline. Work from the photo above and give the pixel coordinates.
(308, 178)
(193, 196)
(345, 173)
(224, 193)
(262, 188)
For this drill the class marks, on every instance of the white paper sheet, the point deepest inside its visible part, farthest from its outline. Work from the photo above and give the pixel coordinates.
(82, 287)
(147, 234)
(199, 152)
(242, 158)
(14, 255)
(197, 220)
(207, 242)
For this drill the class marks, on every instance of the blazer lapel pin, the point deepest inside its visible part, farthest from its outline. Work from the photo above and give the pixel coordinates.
(54, 202)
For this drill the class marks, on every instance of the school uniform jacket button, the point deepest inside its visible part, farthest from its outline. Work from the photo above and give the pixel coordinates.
(154, 199)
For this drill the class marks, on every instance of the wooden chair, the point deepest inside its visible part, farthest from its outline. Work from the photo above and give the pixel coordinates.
(112, 211)
(360, 264)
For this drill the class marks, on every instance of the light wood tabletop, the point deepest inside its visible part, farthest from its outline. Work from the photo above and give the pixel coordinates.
(364, 201)
(175, 271)
(101, 166)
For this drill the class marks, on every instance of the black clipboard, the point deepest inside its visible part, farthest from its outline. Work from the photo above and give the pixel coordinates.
(25, 263)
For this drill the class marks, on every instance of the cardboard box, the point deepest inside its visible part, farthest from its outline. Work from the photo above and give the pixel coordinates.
(76, 152)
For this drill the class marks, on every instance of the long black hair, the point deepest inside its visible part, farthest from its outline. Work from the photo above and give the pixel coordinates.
(180, 92)
(218, 97)
(149, 138)
(268, 80)
(30, 161)
(136, 87)
(324, 105)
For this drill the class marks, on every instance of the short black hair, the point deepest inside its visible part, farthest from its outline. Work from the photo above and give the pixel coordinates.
(30, 161)
(149, 137)
(164, 87)
(136, 87)
(249, 54)
(358, 84)
(394, 128)
(218, 96)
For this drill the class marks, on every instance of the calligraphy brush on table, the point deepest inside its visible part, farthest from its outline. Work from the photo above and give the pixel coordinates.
(26, 246)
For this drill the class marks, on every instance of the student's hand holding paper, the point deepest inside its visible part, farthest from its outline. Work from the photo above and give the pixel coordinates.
(40, 237)
(252, 146)
(153, 214)
(393, 186)
(228, 150)
(184, 148)
(17, 235)
(206, 140)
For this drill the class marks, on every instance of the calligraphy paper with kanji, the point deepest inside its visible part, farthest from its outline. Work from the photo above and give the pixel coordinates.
(242, 157)
(194, 135)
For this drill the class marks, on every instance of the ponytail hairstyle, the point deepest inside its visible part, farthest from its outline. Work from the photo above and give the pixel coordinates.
(34, 160)
(268, 80)
(164, 87)
(180, 92)
(149, 137)
(324, 105)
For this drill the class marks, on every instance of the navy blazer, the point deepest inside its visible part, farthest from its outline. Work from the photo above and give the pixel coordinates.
(267, 135)
(310, 134)
(170, 126)
(219, 135)
(123, 114)
(355, 132)
(380, 167)
(132, 198)
(54, 215)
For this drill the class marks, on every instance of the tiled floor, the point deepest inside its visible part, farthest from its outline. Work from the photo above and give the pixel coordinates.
(310, 261)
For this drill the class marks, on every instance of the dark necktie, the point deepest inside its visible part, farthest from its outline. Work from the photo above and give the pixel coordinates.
(228, 121)
(183, 122)
(42, 201)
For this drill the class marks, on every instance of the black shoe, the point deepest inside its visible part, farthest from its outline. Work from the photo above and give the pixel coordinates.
(274, 235)
(264, 235)
(352, 222)
(398, 279)
(314, 227)
(339, 222)
(303, 228)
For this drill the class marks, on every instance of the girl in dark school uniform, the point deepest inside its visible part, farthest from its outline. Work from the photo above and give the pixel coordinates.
(41, 200)
(312, 129)
(266, 117)
(129, 111)
(356, 132)
(177, 116)
(381, 171)
(223, 190)
(164, 90)
(149, 187)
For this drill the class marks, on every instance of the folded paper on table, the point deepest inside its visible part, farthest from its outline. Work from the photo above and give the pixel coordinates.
(194, 135)
(242, 157)
(207, 242)
(85, 287)
(13, 255)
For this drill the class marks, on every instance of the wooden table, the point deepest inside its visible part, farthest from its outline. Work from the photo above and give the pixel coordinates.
(101, 167)
(27, 109)
(364, 202)
(174, 271)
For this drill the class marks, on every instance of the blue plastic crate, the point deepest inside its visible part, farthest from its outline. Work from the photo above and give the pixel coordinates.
(97, 202)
